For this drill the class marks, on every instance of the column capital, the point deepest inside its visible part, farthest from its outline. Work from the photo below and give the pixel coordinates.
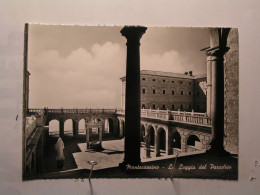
(133, 32)
(217, 52)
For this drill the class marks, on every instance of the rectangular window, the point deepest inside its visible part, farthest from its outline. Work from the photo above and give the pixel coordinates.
(153, 79)
(163, 107)
(181, 82)
(181, 106)
(153, 91)
(143, 90)
(172, 92)
(143, 79)
(163, 92)
(164, 81)
(189, 106)
(172, 106)
(153, 106)
(189, 92)
(143, 106)
(181, 92)
(172, 81)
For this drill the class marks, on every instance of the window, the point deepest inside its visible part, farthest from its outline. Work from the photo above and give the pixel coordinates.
(189, 92)
(153, 91)
(154, 80)
(172, 81)
(143, 106)
(181, 106)
(172, 92)
(143, 90)
(181, 82)
(172, 106)
(153, 106)
(163, 107)
(181, 92)
(163, 81)
(189, 106)
(143, 79)
(163, 91)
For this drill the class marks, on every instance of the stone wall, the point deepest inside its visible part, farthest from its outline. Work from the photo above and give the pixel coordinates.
(231, 74)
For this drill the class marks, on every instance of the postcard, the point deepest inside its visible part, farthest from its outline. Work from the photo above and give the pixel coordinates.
(130, 102)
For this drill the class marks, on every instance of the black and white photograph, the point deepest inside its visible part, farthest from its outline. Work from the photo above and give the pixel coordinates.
(130, 101)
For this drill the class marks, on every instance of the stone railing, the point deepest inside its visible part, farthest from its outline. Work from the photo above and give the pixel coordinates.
(180, 116)
(72, 111)
(30, 126)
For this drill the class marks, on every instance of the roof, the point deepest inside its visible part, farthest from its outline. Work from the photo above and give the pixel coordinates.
(169, 74)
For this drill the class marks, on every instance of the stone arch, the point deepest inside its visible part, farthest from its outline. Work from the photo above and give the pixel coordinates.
(193, 143)
(54, 127)
(142, 132)
(68, 126)
(82, 126)
(122, 128)
(108, 125)
(176, 140)
(162, 138)
(151, 132)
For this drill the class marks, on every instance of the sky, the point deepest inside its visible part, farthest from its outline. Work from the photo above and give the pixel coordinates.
(81, 66)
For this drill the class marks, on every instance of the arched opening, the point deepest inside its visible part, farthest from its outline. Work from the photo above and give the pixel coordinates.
(151, 133)
(68, 127)
(54, 127)
(122, 128)
(142, 133)
(108, 125)
(162, 139)
(82, 127)
(193, 143)
(176, 140)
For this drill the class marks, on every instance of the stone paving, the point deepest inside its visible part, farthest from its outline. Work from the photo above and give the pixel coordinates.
(112, 155)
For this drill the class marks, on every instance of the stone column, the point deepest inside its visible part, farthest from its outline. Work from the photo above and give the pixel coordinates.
(61, 128)
(147, 143)
(132, 101)
(75, 128)
(208, 85)
(183, 143)
(100, 130)
(156, 143)
(217, 105)
(168, 142)
(87, 138)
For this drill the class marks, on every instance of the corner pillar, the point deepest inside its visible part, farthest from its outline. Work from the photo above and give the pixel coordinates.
(217, 105)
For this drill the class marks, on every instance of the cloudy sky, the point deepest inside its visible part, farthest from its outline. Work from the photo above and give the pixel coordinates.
(80, 66)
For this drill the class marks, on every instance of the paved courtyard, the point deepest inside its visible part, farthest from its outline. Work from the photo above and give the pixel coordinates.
(112, 155)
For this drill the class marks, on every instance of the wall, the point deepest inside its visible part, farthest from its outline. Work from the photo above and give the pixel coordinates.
(231, 74)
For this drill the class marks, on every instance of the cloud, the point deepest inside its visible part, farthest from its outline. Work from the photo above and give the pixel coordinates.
(170, 61)
(83, 78)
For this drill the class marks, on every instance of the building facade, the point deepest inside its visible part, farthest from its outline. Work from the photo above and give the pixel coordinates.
(172, 91)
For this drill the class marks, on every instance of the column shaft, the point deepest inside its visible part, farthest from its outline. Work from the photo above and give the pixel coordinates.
(209, 74)
(156, 143)
(61, 128)
(87, 139)
(217, 106)
(132, 104)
